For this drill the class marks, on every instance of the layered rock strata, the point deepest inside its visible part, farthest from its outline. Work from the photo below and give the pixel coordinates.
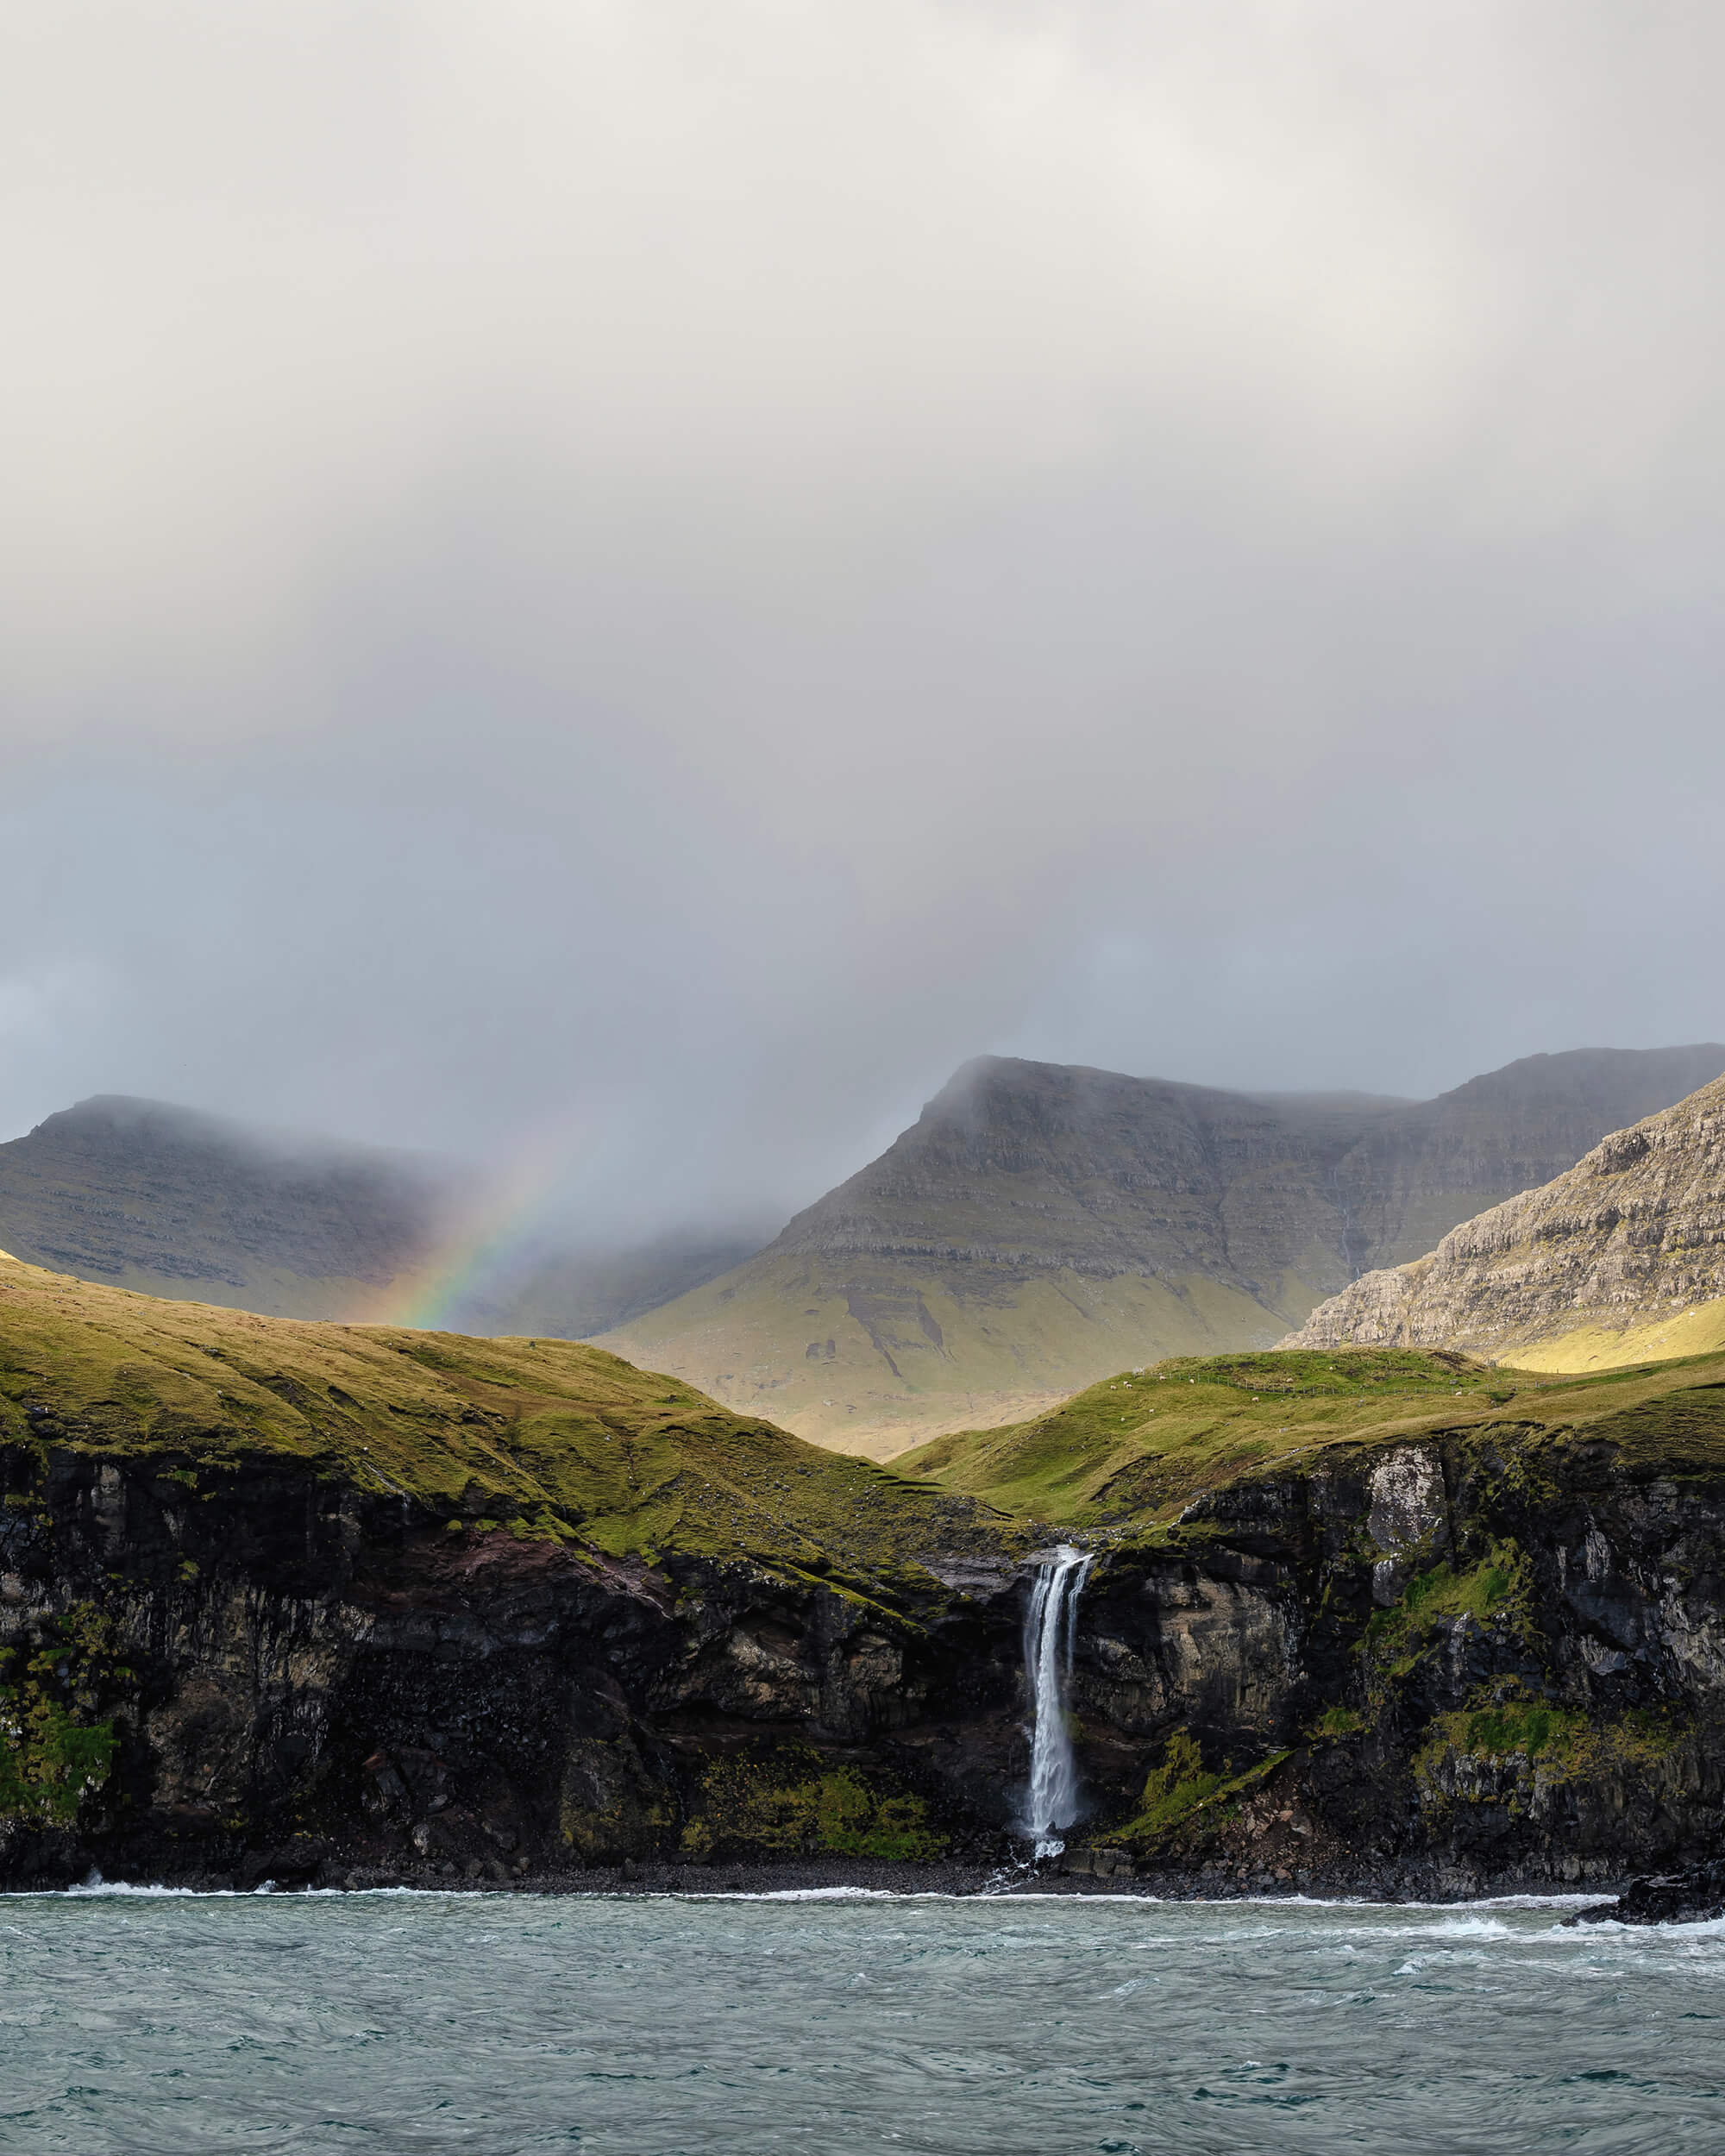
(1042, 1224)
(1632, 1237)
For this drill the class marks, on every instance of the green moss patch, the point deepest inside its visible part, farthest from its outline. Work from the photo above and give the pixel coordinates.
(791, 1804)
(1182, 1793)
(1337, 1721)
(55, 1749)
(1508, 1724)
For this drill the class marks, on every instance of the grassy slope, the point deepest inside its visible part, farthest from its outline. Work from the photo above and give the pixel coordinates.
(998, 1344)
(1697, 1332)
(1142, 1444)
(542, 1438)
(562, 1439)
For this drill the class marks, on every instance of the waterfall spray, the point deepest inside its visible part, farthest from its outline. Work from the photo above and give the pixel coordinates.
(1051, 1625)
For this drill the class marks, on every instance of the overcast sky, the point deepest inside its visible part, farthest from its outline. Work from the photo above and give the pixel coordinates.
(628, 584)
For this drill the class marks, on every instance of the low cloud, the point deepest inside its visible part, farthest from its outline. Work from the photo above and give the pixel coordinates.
(674, 573)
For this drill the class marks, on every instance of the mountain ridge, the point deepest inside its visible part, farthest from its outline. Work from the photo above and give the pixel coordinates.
(1619, 1259)
(174, 1201)
(149, 1196)
(1041, 1224)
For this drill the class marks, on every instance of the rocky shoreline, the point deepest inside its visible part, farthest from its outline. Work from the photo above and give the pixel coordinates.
(310, 1866)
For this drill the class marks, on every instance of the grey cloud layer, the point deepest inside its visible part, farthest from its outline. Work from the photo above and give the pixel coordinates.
(668, 574)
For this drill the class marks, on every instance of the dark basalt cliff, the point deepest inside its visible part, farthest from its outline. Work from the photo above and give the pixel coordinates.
(299, 1676)
(1435, 1660)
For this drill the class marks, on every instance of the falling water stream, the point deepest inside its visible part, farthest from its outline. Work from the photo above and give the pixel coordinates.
(1051, 1622)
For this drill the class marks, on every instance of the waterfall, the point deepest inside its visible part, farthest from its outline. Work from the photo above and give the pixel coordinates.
(1051, 1624)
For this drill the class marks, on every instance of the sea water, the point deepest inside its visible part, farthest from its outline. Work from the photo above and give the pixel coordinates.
(496, 2025)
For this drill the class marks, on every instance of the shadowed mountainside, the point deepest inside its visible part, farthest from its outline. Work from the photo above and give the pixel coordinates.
(1041, 1224)
(142, 1194)
(165, 1199)
(1619, 1260)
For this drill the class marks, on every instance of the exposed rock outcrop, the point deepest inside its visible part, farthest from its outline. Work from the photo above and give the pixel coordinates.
(1632, 1236)
(1696, 1897)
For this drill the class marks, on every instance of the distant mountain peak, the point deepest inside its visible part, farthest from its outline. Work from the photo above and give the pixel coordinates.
(1041, 1224)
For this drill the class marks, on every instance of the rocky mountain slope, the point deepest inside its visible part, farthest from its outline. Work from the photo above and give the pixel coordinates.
(329, 1604)
(142, 1194)
(1040, 1224)
(1619, 1260)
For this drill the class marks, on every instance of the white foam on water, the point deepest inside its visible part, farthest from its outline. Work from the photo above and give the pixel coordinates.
(100, 1889)
(784, 1894)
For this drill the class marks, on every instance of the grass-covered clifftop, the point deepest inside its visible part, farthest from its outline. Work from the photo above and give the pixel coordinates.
(534, 1437)
(311, 1600)
(1141, 1445)
(558, 1439)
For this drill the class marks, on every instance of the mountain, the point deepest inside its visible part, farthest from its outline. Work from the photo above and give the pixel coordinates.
(173, 1202)
(1041, 1224)
(1415, 1175)
(572, 1296)
(362, 1606)
(1619, 1260)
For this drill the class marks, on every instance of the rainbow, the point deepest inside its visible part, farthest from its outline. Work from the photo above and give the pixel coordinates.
(494, 1235)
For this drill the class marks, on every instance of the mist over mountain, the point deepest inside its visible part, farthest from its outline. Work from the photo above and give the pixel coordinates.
(1038, 1226)
(692, 567)
(1042, 1224)
(171, 1202)
(146, 1195)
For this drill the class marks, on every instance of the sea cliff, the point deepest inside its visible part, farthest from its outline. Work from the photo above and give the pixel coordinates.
(1461, 1642)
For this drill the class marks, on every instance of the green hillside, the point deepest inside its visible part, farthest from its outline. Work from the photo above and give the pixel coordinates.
(529, 1437)
(559, 1441)
(1140, 1446)
(872, 1356)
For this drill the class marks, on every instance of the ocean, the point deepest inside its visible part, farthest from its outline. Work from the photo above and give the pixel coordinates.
(163, 2024)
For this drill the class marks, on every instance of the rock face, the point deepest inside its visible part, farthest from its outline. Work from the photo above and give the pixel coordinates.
(1437, 1663)
(300, 1677)
(1597, 1264)
(1696, 1897)
(1041, 1225)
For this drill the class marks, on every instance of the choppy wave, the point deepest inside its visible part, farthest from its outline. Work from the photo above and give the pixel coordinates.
(156, 2022)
